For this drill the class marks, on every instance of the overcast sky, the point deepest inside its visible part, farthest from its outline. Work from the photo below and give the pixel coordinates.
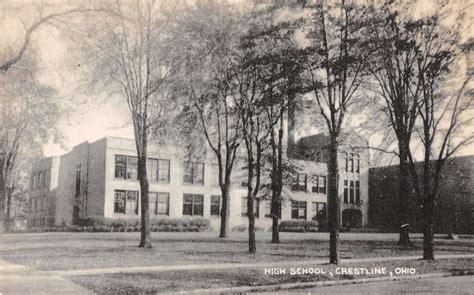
(89, 122)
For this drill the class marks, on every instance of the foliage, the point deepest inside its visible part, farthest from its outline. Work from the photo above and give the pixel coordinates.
(298, 226)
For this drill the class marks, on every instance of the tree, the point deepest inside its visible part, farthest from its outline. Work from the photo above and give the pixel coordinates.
(442, 114)
(338, 60)
(213, 30)
(394, 68)
(127, 48)
(30, 114)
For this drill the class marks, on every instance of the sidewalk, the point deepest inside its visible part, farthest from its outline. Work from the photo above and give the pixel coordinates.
(18, 279)
(221, 266)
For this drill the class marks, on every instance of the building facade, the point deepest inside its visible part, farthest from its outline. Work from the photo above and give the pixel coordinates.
(100, 178)
(454, 203)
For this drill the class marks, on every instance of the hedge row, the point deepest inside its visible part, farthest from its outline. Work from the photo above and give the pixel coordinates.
(299, 226)
(104, 224)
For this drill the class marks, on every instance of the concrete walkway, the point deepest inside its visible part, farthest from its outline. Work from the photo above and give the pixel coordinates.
(17, 279)
(220, 266)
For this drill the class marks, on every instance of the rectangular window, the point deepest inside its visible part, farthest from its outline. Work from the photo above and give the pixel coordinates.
(119, 201)
(357, 191)
(347, 163)
(215, 205)
(214, 175)
(193, 204)
(301, 183)
(351, 163)
(358, 164)
(153, 202)
(193, 173)
(351, 192)
(322, 184)
(120, 166)
(298, 210)
(132, 202)
(152, 169)
(346, 192)
(163, 204)
(78, 180)
(132, 168)
(164, 171)
(244, 208)
(43, 183)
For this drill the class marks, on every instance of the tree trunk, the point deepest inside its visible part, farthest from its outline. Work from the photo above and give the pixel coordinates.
(251, 216)
(276, 192)
(428, 245)
(333, 203)
(145, 238)
(403, 191)
(7, 219)
(275, 221)
(225, 209)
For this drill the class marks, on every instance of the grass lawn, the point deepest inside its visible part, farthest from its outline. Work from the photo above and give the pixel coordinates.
(72, 251)
(192, 280)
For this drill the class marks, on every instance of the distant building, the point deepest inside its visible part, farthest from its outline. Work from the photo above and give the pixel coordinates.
(100, 178)
(454, 204)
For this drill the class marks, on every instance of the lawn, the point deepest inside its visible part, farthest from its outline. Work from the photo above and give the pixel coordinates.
(72, 251)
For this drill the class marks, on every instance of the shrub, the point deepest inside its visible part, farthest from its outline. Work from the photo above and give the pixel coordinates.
(244, 227)
(298, 226)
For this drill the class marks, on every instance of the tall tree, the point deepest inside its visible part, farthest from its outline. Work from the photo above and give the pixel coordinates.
(442, 114)
(30, 113)
(127, 48)
(339, 54)
(213, 30)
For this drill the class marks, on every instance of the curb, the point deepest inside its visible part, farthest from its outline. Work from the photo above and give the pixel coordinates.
(304, 285)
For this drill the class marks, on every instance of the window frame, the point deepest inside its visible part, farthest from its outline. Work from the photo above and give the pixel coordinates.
(213, 204)
(194, 203)
(297, 205)
(192, 176)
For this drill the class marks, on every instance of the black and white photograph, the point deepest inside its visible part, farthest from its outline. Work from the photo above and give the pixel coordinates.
(236, 147)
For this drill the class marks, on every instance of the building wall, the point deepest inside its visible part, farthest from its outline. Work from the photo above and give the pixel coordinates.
(454, 204)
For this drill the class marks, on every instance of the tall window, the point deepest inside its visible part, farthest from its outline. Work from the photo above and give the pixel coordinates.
(126, 167)
(347, 162)
(215, 205)
(158, 170)
(193, 204)
(358, 164)
(78, 179)
(193, 173)
(152, 169)
(320, 182)
(298, 210)
(164, 170)
(40, 179)
(301, 183)
(214, 175)
(346, 192)
(357, 191)
(119, 201)
(132, 202)
(245, 208)
(268, 209)
(351, 192)
(351, 163)
(159, 203)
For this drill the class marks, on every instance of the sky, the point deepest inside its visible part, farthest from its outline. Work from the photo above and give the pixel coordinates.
(92, 121)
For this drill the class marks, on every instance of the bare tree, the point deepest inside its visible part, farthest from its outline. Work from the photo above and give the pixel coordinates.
(127, 51)
(339, 54)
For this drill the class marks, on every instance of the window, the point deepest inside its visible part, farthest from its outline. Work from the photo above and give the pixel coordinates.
(301, 182)
(159, 203)
(346, 192)
(126, 167)
(215, 205)
(357, 191)
(119, 202)
(214, 175)
(78, 180)
(132, 168)
(152, 169)
(358, 164)
(132, 202)
(347, 163)
(351, 163)
(320, 182)
(193, 173)
(298, 210)
(164, 171)
(120, 166)
(318, 210)
(351, 192)
(43, 183)
(193, 204)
